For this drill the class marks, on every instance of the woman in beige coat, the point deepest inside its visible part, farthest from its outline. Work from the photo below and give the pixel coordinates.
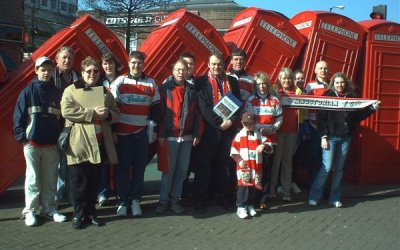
(91, 142)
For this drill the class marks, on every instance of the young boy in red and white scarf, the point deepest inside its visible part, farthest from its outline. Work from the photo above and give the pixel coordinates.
(246, 150)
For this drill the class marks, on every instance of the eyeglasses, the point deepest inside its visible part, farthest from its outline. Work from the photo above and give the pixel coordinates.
(181, 70)
(92, 71)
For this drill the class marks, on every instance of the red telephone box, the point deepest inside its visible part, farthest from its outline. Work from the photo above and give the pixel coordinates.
(376, 157)
(87, 37)
(3, 71)
(181, 31)
(334, 38)
(269, 39)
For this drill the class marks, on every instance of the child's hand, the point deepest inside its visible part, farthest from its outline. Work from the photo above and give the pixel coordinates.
(266, 131)
(242, 164)
(260, 148)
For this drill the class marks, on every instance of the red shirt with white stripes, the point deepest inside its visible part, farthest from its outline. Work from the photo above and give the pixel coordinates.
(268, 111)
(134, 98)
(99, 131)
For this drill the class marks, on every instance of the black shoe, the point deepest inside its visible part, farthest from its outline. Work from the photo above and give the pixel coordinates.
(95, 221)
(77, 223)
(200, 209)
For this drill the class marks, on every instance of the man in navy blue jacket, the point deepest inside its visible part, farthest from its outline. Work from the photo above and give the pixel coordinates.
(36, 125)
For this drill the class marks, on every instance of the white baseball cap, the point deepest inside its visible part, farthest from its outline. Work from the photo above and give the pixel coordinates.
(44, 59)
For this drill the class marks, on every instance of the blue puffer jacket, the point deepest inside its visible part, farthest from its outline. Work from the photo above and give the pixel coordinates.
(37, 113)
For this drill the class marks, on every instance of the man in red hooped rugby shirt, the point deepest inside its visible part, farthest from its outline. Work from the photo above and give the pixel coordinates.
(316, 88)
(139, 102)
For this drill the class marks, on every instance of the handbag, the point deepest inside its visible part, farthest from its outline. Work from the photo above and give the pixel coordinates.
(63, 139)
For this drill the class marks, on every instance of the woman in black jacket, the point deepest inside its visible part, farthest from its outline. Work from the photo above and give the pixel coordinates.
(336, 129)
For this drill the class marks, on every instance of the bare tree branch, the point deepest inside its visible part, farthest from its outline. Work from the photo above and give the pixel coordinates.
(125, 8)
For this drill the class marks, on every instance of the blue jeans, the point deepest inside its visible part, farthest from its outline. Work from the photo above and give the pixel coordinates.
(178, 163)
(133, 152)
(335, 158)
(315, 153)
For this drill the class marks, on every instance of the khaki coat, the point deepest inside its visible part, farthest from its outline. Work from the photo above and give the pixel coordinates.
(83, 142)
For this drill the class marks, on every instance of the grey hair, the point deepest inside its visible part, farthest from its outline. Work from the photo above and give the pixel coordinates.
(65, 48)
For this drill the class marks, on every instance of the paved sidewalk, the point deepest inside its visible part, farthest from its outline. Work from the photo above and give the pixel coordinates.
(370, 219)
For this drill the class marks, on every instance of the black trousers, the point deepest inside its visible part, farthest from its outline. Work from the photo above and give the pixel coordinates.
(84, 181)
(214, 164)
(245, 196)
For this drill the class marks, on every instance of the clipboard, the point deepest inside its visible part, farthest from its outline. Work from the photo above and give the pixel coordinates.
(90, 97)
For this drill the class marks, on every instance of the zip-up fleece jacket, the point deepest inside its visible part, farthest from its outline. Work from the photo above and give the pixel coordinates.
(37, 113)
(189, 119)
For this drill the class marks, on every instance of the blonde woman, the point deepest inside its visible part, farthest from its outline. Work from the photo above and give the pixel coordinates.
(286, 137)
(269, 117)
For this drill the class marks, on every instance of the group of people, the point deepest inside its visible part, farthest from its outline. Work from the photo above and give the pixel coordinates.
(231, 157)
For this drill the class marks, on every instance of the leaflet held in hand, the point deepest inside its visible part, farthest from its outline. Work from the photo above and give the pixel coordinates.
(227, 106)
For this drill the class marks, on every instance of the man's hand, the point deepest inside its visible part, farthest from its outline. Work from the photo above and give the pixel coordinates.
(196, 141)
(226, 124)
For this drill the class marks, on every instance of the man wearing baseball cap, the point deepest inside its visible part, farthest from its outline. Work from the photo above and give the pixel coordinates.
(36, 126)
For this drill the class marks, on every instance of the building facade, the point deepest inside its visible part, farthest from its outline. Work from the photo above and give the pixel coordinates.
(26, 24)
(11, 32)
(219, 13)
(43, 18)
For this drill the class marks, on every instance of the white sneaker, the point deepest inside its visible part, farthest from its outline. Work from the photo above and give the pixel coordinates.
(312, 202)
(295, 188)
(58, 217)
(30, 219)
(252, 211)
(136, 210)
(122, 211)
(337, 204)
(102, 200)
(279, 190)
(242, 212)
